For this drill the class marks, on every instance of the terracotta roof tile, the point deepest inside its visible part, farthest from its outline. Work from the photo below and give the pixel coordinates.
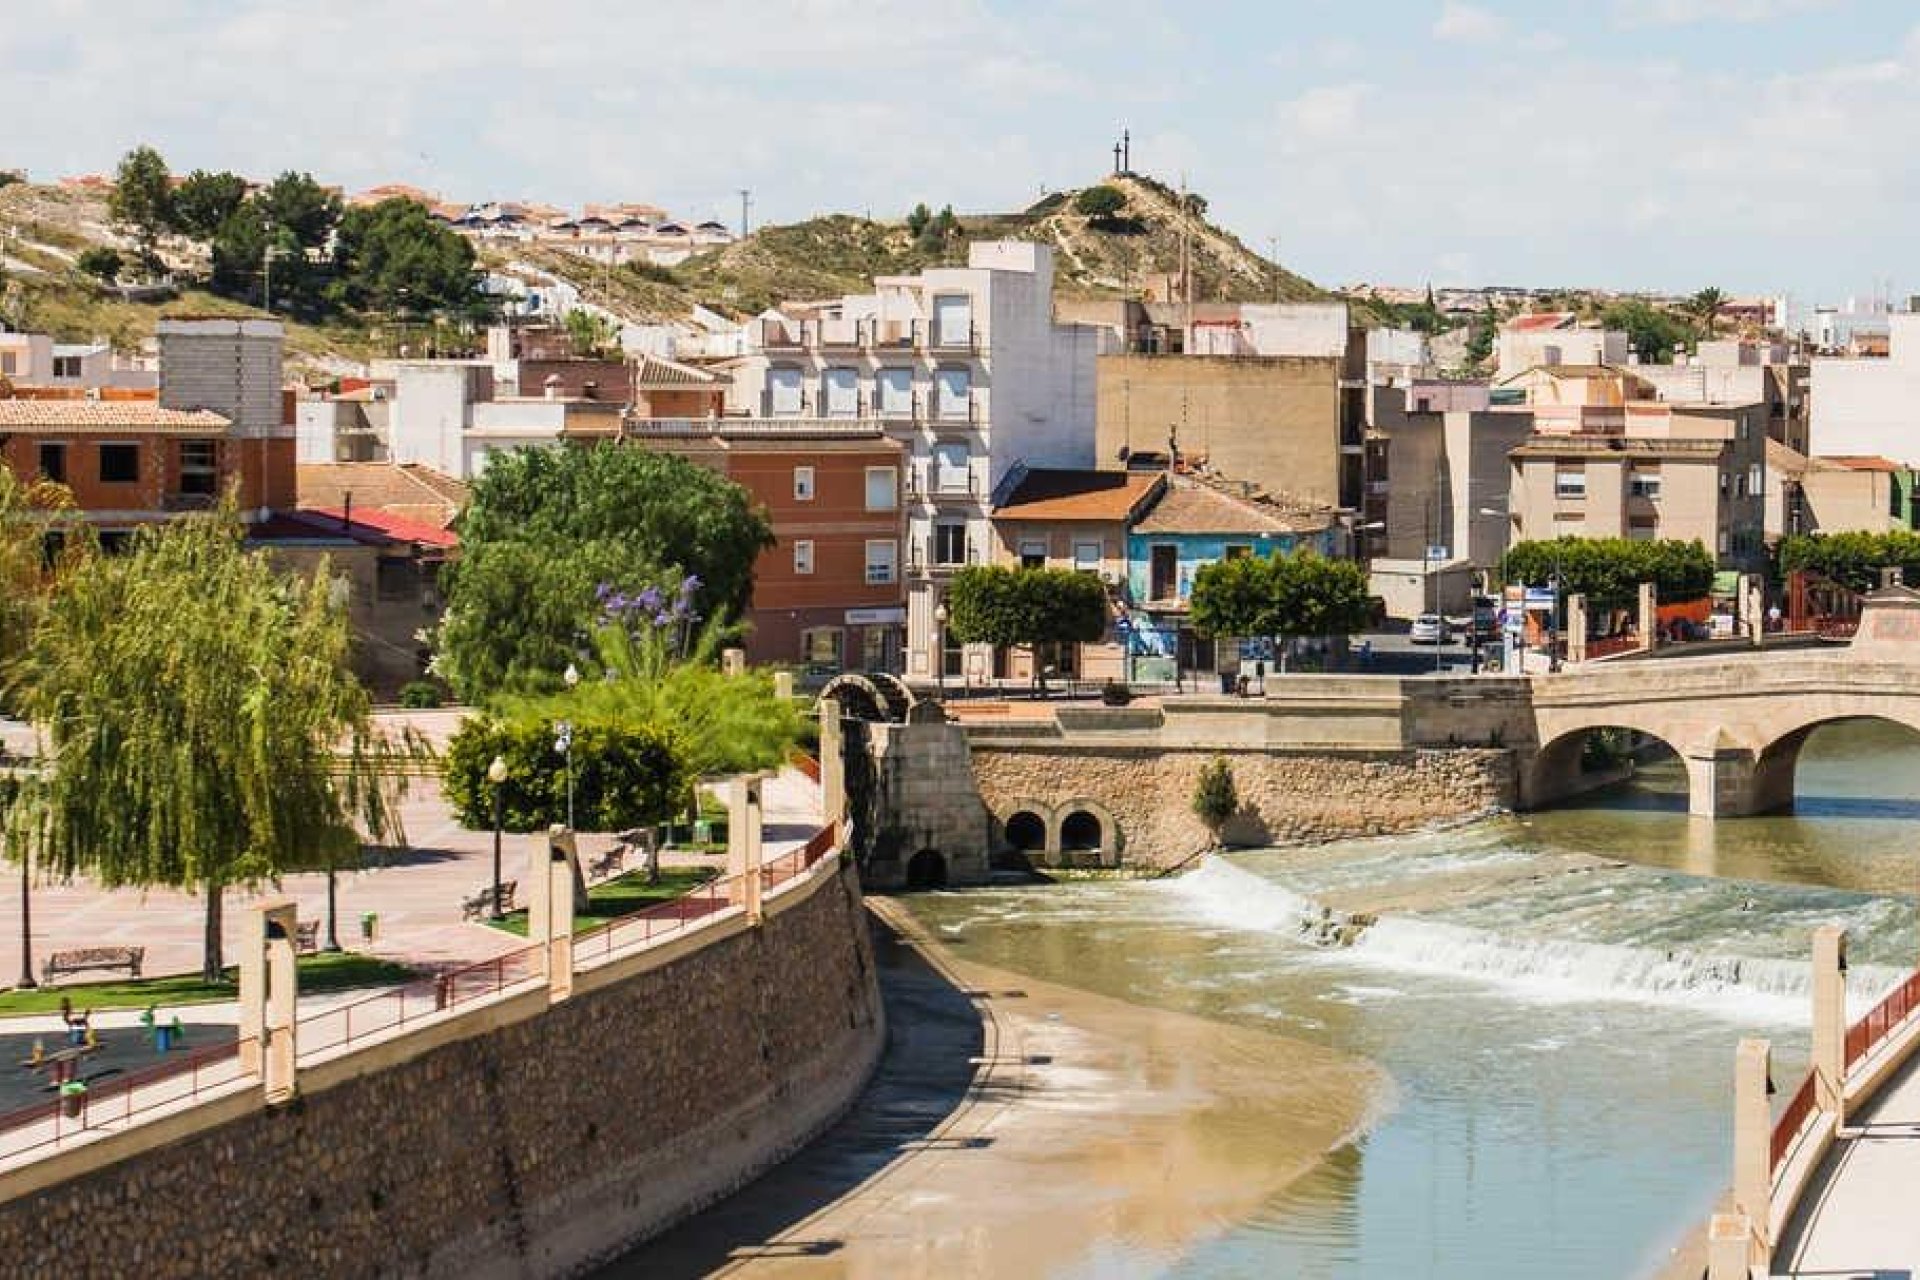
(107, 415)
(1192, 507)
(1079, 495)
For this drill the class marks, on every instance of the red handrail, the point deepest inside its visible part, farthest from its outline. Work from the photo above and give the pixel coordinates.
(1866, 1035)
(1786, 1130)
(113, 1101)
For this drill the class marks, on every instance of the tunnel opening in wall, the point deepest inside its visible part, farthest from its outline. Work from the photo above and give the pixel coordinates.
(927, 869)
(1082, 838)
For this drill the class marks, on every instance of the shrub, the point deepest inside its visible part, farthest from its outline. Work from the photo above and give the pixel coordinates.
(1215, 799)
(100, 262)
(421, 695)
(1100, 202)
(624, 776)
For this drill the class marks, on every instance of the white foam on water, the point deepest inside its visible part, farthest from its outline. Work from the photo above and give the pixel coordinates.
(1545, 969)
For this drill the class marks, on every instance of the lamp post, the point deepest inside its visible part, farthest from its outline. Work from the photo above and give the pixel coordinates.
(497, 775)
(563, 740)
(26, 921)
(940, 647)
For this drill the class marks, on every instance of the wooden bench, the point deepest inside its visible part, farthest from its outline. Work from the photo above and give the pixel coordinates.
(306, 935)
(609, 863)
(479, 904)
(64, 962)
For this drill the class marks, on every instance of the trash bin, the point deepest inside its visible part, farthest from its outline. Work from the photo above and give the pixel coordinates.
(369, 925)
(73, 1097)
(702, 831)
(163, 1038)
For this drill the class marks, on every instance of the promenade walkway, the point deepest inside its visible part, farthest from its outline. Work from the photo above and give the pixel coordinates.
(1858, 1219)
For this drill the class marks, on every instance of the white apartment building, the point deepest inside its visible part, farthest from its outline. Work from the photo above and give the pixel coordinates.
(1554, 338)
(966, 367)
(36, 360)
(1870, 406)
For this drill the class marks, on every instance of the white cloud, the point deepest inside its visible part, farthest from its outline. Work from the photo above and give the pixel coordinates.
(1672, 13)
(1467, 23)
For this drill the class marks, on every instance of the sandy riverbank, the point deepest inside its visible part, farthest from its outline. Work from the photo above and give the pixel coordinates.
(1022, 1128)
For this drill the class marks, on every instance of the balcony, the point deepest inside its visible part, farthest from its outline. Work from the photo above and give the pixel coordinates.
(887, 335)
(773, 334)
(838, 333)
(951, 338)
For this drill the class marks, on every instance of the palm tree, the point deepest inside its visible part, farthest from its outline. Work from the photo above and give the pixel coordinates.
(1704, 307)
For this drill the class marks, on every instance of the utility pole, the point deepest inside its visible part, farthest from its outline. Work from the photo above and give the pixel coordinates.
(746, 203)
(1273, 264)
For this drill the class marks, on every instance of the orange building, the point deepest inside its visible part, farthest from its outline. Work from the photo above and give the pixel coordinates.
(829, 594)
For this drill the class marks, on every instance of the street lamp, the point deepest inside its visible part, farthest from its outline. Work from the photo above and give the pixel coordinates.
(497, 775)
(940, 646)
(563, 740)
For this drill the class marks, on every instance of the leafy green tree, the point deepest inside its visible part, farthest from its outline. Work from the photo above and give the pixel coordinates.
(1653, 332)
(239, 252)
(28, 574)
(1215, 798)
(625, 775)
(1704, 307)
(204, 201)
(1609, 571)
(1279, 597)
(100, 262)
(591, 334)
(203, 726)
(142, 200)
(392, 257)
(301, 206)
(1042, 608)
(918, 219)
(1480, 341)
(1100, 202)
(546, 528)
(1853, 559)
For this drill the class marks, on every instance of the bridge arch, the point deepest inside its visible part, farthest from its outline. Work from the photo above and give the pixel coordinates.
(1026, 830)
(1581, 758)
(1085, 832)
(1778, 763)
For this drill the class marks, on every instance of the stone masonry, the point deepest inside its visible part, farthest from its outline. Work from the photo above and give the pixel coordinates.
(535, 1148)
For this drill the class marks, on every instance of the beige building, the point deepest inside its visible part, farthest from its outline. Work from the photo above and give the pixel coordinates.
(1731, 371)
(1288, 423)
(1555, 338)
(1688, 472)
(1849, 494)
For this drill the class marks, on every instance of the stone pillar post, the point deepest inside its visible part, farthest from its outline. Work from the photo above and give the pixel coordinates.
(744, 818)
(269, 997)
(733, 662)
(1830, 1020)
(1720, 782)
(1753, 1145)
(833, 763)
(1577, 628)
(550, 875)
(1729, 1244)
(783, 685)
(1649, 618)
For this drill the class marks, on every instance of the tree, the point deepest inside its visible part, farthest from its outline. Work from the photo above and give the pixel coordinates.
(204, 201)
(1704, 307)
(592, 334)
(1653, 332)
(546, 528)
(1100, 202)
(203, 727)
(301, 206)
(1609, 571)
(1004, 607)
(625, 775)
(28, 574)
(918, 219)
(1853, 559)
(100, 262)
(239, 253)
(392, 256)
(1279, 597)
(142, 200)
(1480, 341)
(1215, 798)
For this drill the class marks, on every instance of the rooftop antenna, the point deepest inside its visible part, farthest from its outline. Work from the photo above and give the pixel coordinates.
(1126, 151)
(1116, 157)
(746, 203)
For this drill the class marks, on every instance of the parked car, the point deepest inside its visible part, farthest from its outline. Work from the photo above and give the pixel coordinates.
(1430, 628)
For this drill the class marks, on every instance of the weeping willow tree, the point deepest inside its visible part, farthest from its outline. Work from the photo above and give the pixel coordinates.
(201, 727)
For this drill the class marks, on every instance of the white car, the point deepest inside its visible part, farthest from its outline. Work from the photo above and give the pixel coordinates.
(1430, 628)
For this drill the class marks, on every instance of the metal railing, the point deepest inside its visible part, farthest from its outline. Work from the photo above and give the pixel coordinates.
(1792, 1123)
(181, 1077)
(396, 1007)
(1607, 646)
(638, 928)
(1864, 1036)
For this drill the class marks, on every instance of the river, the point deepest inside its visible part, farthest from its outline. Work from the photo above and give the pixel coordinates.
(1556, 998)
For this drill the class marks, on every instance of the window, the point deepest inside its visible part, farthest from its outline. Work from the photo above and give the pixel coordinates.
(119, 463)
(1570, 483)
(894, 389)
(783, 392)
(8, 363)
(199, 467)
(1163, 571)
(1756, 479)
(53, 462)
(953, 321)
(1087, 557)
(803, 484)
(820, 646)
(951, 470)
(1644, 483)
(66, 366)
(950, 543)
(843, 392)
(395, 578)
(1237, 551)
(803, 556)
(883, 488)
(1643, 530)
(881, 558)
(953, 393)
(1033, 554)
(1723, 542)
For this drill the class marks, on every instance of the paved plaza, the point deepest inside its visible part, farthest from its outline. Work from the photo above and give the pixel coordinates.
(1857, 1218)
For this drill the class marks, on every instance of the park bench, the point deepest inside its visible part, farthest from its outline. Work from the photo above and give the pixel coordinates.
(472, 908)
(608, 863)
(306, 935)
(64, 962)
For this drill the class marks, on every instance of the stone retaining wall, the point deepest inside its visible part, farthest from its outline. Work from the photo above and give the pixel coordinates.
(533, 1148)
(1288, 795)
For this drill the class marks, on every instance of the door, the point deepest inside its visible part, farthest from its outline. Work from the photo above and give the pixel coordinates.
(1163, 572)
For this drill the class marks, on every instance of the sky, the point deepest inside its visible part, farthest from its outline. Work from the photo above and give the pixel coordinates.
(1755, 145)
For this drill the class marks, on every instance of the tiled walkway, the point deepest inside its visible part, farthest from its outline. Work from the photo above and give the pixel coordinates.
(1857, 1218)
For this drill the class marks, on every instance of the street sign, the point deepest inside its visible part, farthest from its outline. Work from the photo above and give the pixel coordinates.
(1437, 553)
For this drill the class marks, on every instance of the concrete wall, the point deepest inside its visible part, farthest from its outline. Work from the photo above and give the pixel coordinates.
(524, 1141)
(1868, 406)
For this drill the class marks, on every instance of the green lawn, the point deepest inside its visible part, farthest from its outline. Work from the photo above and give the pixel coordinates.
(622, 896)
(337, 971)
